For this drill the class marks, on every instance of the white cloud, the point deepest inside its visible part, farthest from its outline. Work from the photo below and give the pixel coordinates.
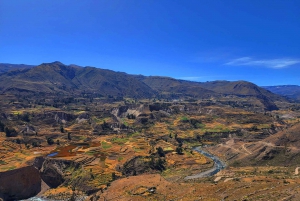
(270, 63)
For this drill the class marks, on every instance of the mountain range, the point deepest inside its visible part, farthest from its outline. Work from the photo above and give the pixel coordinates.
(4, 67)
(72, 79)
(290, 91)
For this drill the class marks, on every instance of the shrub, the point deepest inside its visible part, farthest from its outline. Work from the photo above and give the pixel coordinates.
(2, 126)
(160, 152)
(179, 150)
(50, 141)
(131, 116)
(25, 117)
(184, 119)
(62, 130)
(69, 136)
(35, 144)
(10, 132)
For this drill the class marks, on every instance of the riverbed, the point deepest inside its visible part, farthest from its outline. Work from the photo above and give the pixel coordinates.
(218, 165)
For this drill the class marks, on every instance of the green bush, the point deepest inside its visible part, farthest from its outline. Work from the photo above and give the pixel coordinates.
(50, 141)
(184, 119)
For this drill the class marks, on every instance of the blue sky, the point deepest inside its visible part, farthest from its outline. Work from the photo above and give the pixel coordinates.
(199, 40)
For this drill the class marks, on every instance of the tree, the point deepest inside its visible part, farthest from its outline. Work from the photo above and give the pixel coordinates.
(50, 141)
(160, 152)
(179, 150)
(176, 136)
(62, 130)
(7, 132)
(105, 126)
(273, 127)
(130, 116)
(10, 132)
(113, 176)
(159, 164)
(2, 126)
(69, 136)
(35, 144)
(198, 137)
(180, 144)
(254, 128)
(25, 117)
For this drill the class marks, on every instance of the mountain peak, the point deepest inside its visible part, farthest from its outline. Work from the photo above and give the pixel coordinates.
(57, 63)
(54, 63)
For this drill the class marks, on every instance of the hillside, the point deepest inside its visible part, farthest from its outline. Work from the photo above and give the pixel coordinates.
(245, 89)
(56, 77)
(290, 91)
(289, 137)
(216, 89)
(170, 87)
(4, 67)
(240, 88)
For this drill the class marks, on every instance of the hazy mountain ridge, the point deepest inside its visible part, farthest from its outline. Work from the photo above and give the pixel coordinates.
(5, 67)
(290, 91)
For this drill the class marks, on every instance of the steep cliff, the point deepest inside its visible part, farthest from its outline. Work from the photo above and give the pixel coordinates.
(20, 184)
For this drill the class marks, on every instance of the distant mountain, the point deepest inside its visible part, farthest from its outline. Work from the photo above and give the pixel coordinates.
(57, 78)
(170, 87)
(290, 91)
(240, 88)
(4, 67)
(245, 89)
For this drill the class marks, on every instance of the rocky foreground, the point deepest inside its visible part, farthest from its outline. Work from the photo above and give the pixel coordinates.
(29, 181)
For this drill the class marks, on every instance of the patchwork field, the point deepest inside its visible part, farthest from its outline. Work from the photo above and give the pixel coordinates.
(124, 150)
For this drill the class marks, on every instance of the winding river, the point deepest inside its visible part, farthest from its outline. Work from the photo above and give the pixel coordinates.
(218, 166)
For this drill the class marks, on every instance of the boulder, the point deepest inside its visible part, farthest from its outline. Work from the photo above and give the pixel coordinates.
(20, 183)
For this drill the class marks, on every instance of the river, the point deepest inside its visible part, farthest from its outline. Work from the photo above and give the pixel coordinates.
(80, 198)
(218, 166)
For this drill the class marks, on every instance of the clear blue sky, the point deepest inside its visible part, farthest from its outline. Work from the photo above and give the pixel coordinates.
(200, 40)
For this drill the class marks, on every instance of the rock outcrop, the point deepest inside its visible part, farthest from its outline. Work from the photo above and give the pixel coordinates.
(19, 184)
(52, 171)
